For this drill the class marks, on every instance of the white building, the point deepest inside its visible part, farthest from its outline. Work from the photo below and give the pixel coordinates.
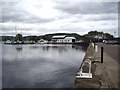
(63, 39)
(42, 41)
(8, 42)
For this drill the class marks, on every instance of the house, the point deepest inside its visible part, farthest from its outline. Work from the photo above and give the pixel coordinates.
(59, 38)
(70, 39)
(42, 41)
(63, 39)
(8, 42)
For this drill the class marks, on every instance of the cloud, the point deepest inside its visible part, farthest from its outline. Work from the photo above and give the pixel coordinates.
(101, 17)
(88, 8)
(12, 11)
(38, 17)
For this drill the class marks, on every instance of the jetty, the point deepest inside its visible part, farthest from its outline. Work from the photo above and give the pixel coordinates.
(103, 72)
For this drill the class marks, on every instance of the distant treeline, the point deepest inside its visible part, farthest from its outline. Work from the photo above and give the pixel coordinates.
(91, 35)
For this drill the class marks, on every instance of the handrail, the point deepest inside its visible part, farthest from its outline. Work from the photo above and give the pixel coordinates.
(80, 73)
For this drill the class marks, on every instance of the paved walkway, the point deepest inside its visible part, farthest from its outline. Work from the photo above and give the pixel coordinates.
(104, 75)
(111, 62)
(100, 76)
(111, 50)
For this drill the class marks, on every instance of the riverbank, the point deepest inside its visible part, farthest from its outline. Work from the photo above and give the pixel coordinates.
(102, 76)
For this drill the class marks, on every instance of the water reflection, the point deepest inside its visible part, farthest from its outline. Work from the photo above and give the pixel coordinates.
(40, 66)
(19, 48)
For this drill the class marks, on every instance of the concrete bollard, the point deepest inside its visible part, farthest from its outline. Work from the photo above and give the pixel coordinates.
(92, 44)
(96, 48)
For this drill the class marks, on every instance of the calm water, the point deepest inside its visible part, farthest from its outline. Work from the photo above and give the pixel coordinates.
(40, 66)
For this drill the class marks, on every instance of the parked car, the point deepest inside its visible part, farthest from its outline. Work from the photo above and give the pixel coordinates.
(112, 42)
(104, 41)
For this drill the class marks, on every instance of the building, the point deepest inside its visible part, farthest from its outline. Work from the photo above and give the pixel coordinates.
(8, 42)
(63, 39)
(42, 41)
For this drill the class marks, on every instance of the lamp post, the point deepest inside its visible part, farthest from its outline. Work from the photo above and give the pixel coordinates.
(98, 38)
(114, 33)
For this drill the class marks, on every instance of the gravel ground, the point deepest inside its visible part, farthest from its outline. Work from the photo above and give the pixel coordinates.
(111, 50)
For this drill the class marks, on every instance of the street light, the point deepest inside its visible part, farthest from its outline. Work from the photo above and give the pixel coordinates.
(114, 33)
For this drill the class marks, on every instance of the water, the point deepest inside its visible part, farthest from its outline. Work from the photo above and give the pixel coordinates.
(40, 66)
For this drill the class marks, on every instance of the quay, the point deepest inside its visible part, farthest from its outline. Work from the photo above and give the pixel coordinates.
(104, 75)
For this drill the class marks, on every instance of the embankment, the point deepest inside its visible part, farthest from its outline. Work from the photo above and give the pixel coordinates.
(100, 78)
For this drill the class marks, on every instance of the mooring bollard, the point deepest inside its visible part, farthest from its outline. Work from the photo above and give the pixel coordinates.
(96, 48)
(101, 54)
(94, 45)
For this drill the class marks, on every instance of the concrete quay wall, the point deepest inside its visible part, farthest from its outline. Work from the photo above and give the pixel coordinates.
(100, 77)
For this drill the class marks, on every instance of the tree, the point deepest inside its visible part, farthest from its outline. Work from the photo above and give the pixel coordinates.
(18, 37)
(108, 36)
(102, 34)
(93, 33)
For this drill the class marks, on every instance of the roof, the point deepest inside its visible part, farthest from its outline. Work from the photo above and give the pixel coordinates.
(59, 37)
(70, 38)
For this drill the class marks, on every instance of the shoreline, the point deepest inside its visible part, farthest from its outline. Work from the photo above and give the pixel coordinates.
(101, 74)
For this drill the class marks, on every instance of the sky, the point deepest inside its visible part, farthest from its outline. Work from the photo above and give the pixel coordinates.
(39, 17)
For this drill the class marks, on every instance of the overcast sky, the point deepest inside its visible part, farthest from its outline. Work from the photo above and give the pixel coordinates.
(39, 17)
